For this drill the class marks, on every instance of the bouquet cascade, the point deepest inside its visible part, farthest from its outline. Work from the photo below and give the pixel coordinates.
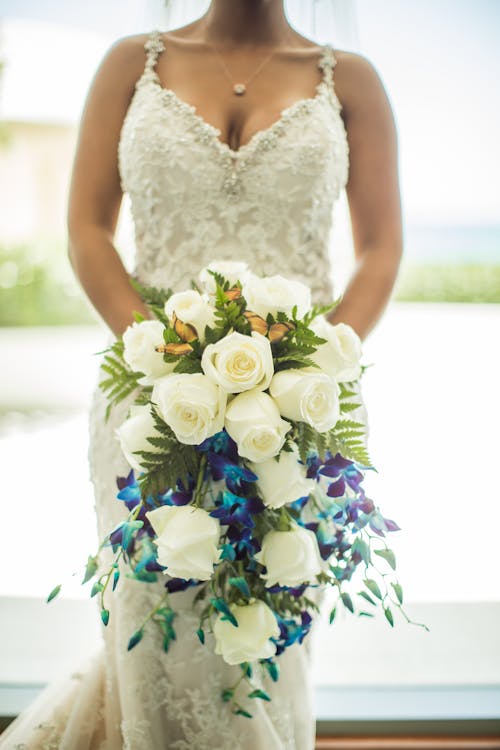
(246, 466)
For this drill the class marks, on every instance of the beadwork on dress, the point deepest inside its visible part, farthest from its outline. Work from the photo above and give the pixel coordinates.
(193, 199)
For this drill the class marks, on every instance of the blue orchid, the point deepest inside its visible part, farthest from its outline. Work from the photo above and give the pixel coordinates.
(180, 584)
(291, 631)
(129, 490)
(233, 508)
(220, 443)
(379, 524)
(147, 559)
(234, 475)
(327, 541)
(181, 495)
(243, 544)
(124, 534)
(295, 591)
(298, 504)
(343, 472)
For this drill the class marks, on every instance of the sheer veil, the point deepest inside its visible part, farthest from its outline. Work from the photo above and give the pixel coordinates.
(322, 21)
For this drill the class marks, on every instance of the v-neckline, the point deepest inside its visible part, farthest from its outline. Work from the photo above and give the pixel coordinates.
(325, 63)
(215, 132)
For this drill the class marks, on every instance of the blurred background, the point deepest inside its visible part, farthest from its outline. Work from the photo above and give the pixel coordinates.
(432, 392)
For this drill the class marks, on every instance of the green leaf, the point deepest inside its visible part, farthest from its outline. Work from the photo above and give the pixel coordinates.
(259, 694)
(55, 591)
(227, 694)
(389, 616)
(134, 640)
(347, 601)
(359, 545)
(388, 555)
(332, 615)
(373, 587)
(398, 591)
(105, 616)
(366, 614)
(96, 588)
(152, 296)
(345, 407)
(273, 669)
(367, 597)
(221, 606)
(241, 712)
(240, 583)
(246, 668)
(122, 380)
(201, 635)
(188, 363)
(91, 568)
(172, 462)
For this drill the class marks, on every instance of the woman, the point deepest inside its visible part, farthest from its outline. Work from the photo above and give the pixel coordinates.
(233, 138)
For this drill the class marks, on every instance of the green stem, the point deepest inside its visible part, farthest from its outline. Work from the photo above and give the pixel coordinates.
(154, 610)
(198, 497)
(131, 517)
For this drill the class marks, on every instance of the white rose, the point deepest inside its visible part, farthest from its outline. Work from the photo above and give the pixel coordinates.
(193, 308)
(250, 640)
(273, 294)
(254, 423)
(283, 480)
(311, 397)
(232, 270)
(291, 557)
(238, 363)
(191, 404)
(340, 356)
(133, 434)
(187, 540)
(139, 353)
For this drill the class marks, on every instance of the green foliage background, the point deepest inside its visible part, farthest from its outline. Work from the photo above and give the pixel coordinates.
(38, 287)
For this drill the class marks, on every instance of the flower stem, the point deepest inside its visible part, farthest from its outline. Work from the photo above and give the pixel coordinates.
(154, 610)
(198, 497)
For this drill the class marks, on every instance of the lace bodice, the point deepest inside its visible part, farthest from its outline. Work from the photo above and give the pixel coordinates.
(193, 198)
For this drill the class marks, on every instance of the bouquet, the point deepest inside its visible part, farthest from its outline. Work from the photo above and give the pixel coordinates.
(246, 466)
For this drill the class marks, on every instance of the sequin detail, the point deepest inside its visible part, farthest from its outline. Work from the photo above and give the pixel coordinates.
(193, 198)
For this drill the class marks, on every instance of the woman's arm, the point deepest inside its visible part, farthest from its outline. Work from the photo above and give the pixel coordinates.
(95, 193)
(372, 191)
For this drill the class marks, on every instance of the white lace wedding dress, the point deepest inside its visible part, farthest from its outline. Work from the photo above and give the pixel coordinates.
(193, 198)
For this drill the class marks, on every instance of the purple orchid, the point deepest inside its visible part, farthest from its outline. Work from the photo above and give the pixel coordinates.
(343, 472)
(233, 508)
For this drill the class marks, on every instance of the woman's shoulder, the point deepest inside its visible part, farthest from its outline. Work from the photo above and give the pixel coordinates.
(357, 79)
(123, 62)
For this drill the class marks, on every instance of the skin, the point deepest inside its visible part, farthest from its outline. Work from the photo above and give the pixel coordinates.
(244, 32)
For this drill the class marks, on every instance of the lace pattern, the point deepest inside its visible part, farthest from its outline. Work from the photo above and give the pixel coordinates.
(193, 198)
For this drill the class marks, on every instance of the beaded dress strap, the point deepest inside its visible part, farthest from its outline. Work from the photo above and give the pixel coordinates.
(326, 64)
(154, 46)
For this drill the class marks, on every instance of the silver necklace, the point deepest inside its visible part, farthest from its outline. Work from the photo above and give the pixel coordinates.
(240, 88)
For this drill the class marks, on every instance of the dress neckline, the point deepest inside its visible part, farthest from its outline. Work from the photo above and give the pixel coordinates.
(155, 45)
(214, 133)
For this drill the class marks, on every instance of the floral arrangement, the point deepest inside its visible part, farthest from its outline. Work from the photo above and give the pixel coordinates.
(246, 466)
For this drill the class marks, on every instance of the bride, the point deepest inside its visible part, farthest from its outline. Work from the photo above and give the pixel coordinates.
(233, 136)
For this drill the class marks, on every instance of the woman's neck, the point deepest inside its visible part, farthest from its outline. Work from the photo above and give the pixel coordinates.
(229, 23)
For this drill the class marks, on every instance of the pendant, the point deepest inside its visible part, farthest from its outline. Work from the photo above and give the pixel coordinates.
(239, 89)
